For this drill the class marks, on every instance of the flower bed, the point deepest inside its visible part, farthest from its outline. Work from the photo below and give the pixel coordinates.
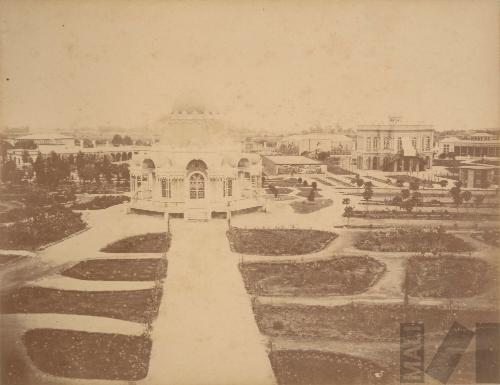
(44, 225)
(306, 207)
(148, 269)
(446, 276)
(144, 243)
(78, 354)
(336, 276)
(359, 322)
(101, 202)
(129, 305)
(311, 367)
(411, 239)
(278, 241)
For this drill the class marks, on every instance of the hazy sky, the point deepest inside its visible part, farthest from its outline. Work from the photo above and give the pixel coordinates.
(270, 65)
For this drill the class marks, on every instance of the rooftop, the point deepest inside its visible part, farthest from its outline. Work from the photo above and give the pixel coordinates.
(291, 159)
(395, 127)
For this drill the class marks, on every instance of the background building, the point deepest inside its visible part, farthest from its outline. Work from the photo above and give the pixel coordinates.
(336, 144)
(478, 145)
(291, 164)
(394, 147)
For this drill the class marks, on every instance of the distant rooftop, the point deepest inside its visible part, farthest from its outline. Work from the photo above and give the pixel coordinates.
(319, 136)
(395, 127)
(44, 136)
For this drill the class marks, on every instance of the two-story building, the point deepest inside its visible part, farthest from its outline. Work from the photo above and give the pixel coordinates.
(394, 147)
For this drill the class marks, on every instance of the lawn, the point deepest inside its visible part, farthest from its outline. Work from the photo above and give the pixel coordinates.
(147, 269)
(129, 305)
(336, 276)
(278, 241)
(361, 322)
(447, 276)
(306, 207)
(101, 202)
(144, 243)
(310, 367)
(411, 239)
(78, 354)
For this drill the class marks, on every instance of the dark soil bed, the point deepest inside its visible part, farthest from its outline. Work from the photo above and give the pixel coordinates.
(361, 322)
(101, 202)
(77, 354)
(337, 276)
(309, 367)
(148, 269)
(144, 243)
(411, 239)
(278, 241)
(280, 190)
(447, 276)
(5, 259)
(130, 305)
(306, 207)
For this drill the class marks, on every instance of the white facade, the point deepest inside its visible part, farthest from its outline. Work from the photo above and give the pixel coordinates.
(394, 147)
(195, 171)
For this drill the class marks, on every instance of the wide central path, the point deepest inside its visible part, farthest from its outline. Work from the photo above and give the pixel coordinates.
(205, 332)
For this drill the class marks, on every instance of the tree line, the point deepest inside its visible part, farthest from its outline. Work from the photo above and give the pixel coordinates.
(55, 170)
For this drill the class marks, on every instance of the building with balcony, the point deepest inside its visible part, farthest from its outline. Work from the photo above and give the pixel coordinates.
(195, 171)
(479, 145)
(394, 147)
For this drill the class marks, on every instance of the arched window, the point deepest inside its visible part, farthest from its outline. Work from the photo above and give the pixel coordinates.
(375, 144)
(197, 186)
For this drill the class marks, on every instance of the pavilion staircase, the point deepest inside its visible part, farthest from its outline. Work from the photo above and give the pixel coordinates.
(197, 214)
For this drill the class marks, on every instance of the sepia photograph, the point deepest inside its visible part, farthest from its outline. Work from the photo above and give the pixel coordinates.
(251, 192)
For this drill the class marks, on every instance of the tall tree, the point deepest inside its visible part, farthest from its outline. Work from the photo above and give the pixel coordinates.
(368, 193)
(40, 169)
(127, 140)
(456, 194)
(117, 140)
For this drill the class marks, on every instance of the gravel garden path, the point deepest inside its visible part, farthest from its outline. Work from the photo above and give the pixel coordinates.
(205, 332)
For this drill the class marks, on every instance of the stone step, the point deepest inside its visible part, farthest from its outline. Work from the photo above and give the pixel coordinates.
(197, 214)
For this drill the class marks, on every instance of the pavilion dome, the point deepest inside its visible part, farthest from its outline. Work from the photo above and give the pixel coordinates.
(193, 124)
